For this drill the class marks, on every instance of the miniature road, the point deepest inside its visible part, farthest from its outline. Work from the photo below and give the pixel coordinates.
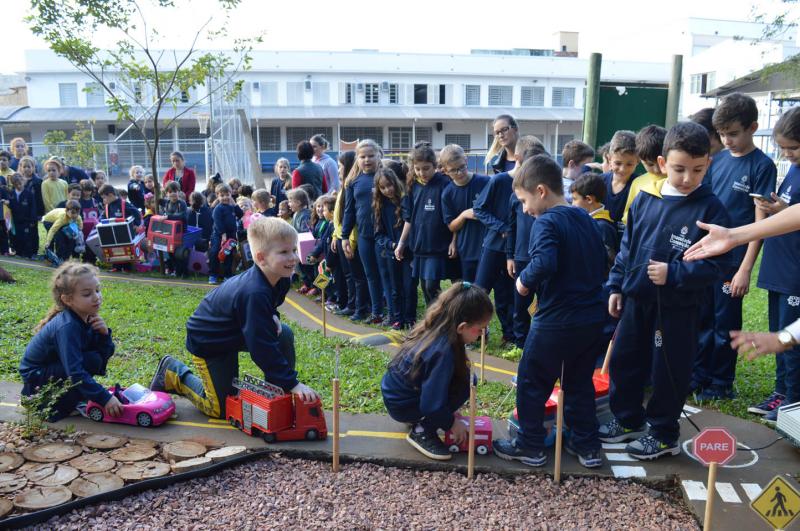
(377, 438)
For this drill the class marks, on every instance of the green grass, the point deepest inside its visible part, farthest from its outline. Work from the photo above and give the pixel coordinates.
(148, 321)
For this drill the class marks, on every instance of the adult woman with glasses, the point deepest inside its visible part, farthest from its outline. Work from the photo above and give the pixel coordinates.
(501, 155)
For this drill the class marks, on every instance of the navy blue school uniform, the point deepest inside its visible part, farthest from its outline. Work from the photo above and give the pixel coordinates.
(67, 348)
(202, 219)
(428, 396)
(608, 233)
(358, 213)
(566, 273)
(74, 175)
(519, 249)
(615, 203)
(24, 214)
(395, 275)
(491, 208)
(429, 238)
(136, 194)
(35, 183)
(116, 209)
(733, 179)
(224, 218)
(500, 162)
(278, 193)
(657, 335)
(780, 275)
(455, 200)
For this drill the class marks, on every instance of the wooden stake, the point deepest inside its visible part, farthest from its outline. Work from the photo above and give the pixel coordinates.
(712, 489)
(336, 424)
(607, 359)
(483, 352)
(324, 316)
(559, 427)
(471, 447)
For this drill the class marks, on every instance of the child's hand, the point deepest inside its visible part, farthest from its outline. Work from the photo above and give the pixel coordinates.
(277, 323)
(398, 251)
(615, 305)
(459, 431)
(311, 260)
(468, 214)
(304, 392)
(740, 284)
(348, 251)
(511, 268)
(333, 247)
(657, 272)
(521, 288)
(768, 208)
(97, 324)
(452, 251)
(113, 407)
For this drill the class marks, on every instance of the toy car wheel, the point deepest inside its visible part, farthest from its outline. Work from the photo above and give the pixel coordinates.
(96, 414)
(312, 435)
(268, 437)
(237, 424)
(144, 420)
(454, 448)
(482, 450)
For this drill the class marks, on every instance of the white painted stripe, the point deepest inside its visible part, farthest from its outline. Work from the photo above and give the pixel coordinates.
(614, 446)
(728, 493)
(752, 490)
(614, 456)
(629, 472)
(695, 490)
(691, 410)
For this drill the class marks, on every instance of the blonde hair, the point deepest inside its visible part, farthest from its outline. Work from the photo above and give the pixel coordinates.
(496, 147)
(355, 171)
(282, 160)
(263, 197)
(27, 159)
(529, 145)
(14, 141)
(133, 169)
(63, 283)
(244, 203)
(54, 160)
(265, 230)
(450, 154)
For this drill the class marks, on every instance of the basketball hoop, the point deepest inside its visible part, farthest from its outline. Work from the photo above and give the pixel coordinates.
(202, 121)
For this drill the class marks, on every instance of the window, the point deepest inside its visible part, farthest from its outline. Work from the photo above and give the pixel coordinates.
(423, 134)
(350, 134)
(94, 95)
(269, 93)
(460, 139)
(68, 94)
(270, 138)
(500, 95)
(472, 94)
(372, 93)
(532, 97)
(321, 93)
(563, 96)
(295, 93)
(295, 135)
(442, 94)
(349, 96)
(400, 137)
(394, 94)
(137, 93)
(184, 96)
(420, 94)
(702, 83)
(561, 141)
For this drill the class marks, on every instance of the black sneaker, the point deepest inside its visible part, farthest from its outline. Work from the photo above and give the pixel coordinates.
(429, 444)
(614, 432)
(357, 317)
(344, 311)
(770, 403)
(648, 448)
(509, 450)
(590, 459)
(159, 381)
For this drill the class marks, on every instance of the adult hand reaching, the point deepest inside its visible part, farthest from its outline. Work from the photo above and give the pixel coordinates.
(718, 241)
(755, 344)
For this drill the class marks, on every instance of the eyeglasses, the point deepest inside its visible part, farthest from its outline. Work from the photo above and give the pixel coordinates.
(502, 131)
(456, 171)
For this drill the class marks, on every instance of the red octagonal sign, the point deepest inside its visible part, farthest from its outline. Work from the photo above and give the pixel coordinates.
(714, 445)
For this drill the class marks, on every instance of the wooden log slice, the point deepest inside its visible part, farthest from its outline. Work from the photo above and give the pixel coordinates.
(96, 484)
(129, 454)
(52, 452)
(143, 470)
(10, 461)
(52, 474)
(142, 442)
(181, 450)
(102, 441)
(42, 497)
(225, 452)
(5, 507)
(93, 463)
(11, 482)
(190, 464)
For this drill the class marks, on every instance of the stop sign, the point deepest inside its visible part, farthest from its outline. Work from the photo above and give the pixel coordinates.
(714, 445)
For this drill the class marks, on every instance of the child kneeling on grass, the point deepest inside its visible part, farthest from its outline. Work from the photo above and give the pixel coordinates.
(240, 315)
(72, 342)
(427, 382)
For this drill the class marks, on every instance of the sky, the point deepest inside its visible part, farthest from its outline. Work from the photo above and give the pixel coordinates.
(642, 30)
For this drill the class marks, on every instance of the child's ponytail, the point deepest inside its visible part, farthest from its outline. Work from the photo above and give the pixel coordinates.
(63, 283)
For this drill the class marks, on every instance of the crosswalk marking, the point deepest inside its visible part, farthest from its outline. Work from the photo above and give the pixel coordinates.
(613, 456)
(752, 490)
(614, 446)
(691, 410)
(629, 472)
(695, 490)
(728, 493)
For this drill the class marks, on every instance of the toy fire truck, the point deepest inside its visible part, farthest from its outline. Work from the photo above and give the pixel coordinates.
(168, 235)
(261, 408)
(119, 240)
(483, 436)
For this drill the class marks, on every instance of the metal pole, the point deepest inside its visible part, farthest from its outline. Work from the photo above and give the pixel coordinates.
(209, 169)
(674, 92)
(592, 103)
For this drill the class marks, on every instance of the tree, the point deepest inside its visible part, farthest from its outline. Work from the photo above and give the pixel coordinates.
(80, 150)
(777, 25)
(142, 82)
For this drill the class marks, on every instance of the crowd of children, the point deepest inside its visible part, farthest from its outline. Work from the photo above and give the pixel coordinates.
(600, 252)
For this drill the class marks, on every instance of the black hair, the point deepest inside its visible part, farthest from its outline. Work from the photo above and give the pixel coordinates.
(590, 184)
(304, 150)
(310, 191)
(734, 108)
(704, 118)
(6, 154)
(650, 142)
(107, 189)
(347, 158)
(689, 137)
(788, 125)
(537, 170)
(399, 168)
(321, 140)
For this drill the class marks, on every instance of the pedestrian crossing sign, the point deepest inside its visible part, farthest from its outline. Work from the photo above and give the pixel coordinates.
(778, 504)
(321, 281)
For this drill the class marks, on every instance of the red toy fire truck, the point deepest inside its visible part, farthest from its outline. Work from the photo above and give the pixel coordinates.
(483, 436)
(168, 236)
(261, 408)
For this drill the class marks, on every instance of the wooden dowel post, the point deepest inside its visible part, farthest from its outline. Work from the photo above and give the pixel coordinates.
(471, 447)
(336, 424)
(712, 489)
(559, 437)
(607, 359)
(483, 352)
(324, 316)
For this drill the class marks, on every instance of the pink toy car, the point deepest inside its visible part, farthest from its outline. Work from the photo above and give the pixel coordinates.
(140, 407)
(483, 436)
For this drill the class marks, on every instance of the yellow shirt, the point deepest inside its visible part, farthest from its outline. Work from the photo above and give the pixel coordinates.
(59, 218)
(638, 184)
(53, 192)
(337, 225)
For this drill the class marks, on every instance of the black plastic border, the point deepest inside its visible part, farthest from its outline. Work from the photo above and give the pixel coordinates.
(38, 517)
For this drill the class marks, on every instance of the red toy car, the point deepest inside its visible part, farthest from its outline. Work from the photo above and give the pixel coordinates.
(261, 408)
(483, 436)
(228, 247)
(140, 407)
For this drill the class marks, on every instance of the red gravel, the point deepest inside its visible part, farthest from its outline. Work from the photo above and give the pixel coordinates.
(296, 494)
